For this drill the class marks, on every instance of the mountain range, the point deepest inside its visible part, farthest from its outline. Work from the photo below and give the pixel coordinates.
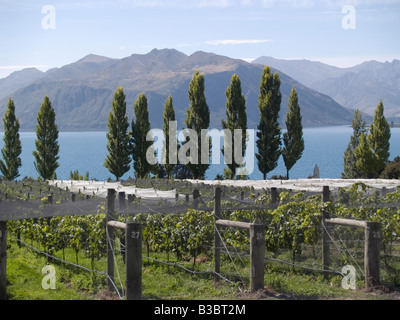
(359, 87)
(81, 92)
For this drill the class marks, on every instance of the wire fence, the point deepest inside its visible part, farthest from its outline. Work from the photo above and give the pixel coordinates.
(157, 204)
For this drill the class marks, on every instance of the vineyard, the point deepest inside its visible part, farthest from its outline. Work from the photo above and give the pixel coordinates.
(178, 228)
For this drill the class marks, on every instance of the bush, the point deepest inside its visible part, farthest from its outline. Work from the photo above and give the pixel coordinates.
(392, 170)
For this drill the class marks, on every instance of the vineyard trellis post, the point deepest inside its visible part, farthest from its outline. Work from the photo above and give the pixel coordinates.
(111, 238)
(325, 235)
(3, 260)
(274, 195)
(257, 256)
(133, 265)
(217, 239)
(372, 254)
(196, 196)
(133, 253)
(257, 244)
(371, 250)
(121, 208)
(257, 250)
(121, 201)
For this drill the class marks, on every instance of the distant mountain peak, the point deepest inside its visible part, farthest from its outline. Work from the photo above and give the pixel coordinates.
(19, 79)
(94, 58)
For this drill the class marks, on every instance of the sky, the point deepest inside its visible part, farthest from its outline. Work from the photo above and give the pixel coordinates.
(53, 33)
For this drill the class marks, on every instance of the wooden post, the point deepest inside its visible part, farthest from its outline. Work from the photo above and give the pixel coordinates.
(121, 208)
(372, 248)
(217, 239)
(325, 194)
(121, 201)
(3, 260)
(274, 195)
(257, 256)
(325, 236)
(372, 252)
(133, 239)
(111, 238)
(196, 195)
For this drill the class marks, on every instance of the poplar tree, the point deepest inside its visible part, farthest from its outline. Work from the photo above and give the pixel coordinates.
(293, 137)
(379, 139)
(197, 118)
(269, 131)
(141, 148)
(236, 118)
(47, 148)
(372, 153)
(12, 144)
(351, 170)
(119, 156)
(168, 115)
(365, 160)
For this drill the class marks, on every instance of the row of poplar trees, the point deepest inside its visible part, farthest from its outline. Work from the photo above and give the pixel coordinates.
(125, 145)
(47, 147)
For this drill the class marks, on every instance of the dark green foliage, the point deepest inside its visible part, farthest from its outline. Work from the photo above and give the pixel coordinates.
(236, 118)
(379, 138)
(350, 168)
(168, 115)
(293, 138)
(392, 170)
(12, 144)
(197, 118)
(365, 160)
(141, 148)
(119, 156)
(74, 175)
(372, 153)
(47, 148)
(181, 172)
(269, 134)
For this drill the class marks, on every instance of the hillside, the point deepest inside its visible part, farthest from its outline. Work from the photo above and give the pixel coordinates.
(359, 87)
(81, 92)
(18, 80)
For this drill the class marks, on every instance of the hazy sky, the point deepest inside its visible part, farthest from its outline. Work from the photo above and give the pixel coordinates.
(47, 34)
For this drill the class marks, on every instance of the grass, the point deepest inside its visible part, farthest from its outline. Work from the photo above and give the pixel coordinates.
(24, 278)
(162, 282)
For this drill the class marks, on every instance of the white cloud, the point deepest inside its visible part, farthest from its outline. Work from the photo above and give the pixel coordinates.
(235, 42)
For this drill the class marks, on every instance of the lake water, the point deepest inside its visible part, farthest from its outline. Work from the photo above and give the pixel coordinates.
(86, 151)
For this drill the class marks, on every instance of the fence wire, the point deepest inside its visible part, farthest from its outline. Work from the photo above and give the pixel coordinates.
(30, 200)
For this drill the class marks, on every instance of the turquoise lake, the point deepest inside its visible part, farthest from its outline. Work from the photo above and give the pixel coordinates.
(86, 151)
